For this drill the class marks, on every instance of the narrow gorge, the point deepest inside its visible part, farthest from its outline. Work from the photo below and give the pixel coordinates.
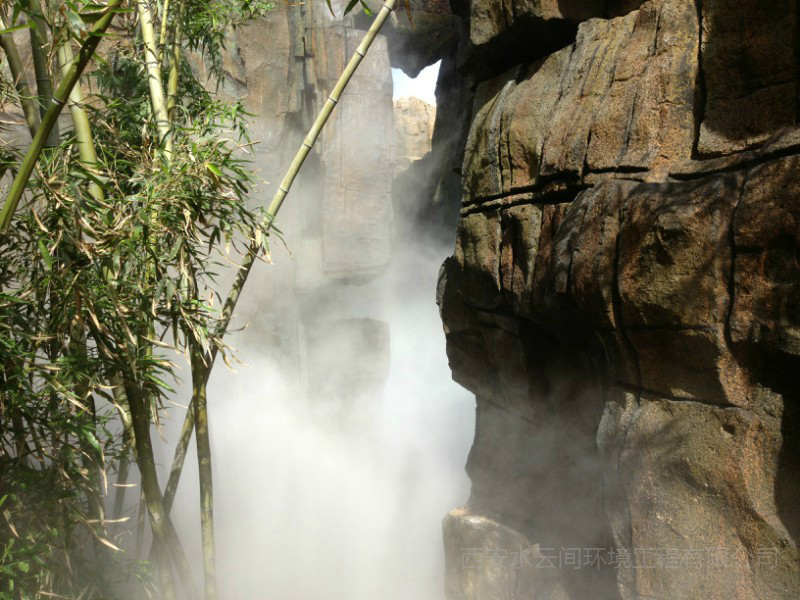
(620, 178)
(538, 341)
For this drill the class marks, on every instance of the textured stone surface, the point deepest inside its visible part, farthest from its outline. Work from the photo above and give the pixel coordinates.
(413, 123)
(491, 18)
(283, 67)
(357, 197)
(750, 58)
(429, 36)
(623, 300)
(338, 219)
(766, 230)
(699, 485)
(621, 97)
(486, 560)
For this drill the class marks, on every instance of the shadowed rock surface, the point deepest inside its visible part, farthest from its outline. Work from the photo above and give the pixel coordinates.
(624, 301)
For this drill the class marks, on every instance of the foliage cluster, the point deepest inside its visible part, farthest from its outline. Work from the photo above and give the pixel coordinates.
(107, 270)
(112, 234)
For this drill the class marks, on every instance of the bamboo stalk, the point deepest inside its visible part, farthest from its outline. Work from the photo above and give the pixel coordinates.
(162, 38)
(200, 404)
(274, 208)
(141, 519)
(150, 488)
(122, 480)
(51, 117)
(20, 81)
(157, 98)
(80, 120)
(128, 449)
(175, 64)
(39, 41)
(188, 422)
(167, 545)
(95, 463)
(179, 458)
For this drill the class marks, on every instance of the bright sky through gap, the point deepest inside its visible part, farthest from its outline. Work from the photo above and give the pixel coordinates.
(424, 86)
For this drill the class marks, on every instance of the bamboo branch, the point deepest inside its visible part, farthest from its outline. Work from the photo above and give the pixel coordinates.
(274, 208)
(51, 117)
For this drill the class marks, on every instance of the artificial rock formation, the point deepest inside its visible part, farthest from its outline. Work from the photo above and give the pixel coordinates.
(624, 301)
(319, 310)
(414, 119)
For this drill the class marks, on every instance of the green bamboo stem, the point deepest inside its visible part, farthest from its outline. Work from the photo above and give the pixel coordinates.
(23, 450)
(168, 548)
(175, 64)
(162, 38)
(188, 421)
(178, 459)
(80, 120)
(128, 448)
(60, 97)
(150, 488)
(122, 480)
(274, 208)
(94, 462)
(141, 519)
(40, 41)
(157, 98)
(20, 81)
(200, 403)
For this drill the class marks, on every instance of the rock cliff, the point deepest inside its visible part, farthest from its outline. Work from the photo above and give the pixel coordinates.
(624, 294)
(624, 300)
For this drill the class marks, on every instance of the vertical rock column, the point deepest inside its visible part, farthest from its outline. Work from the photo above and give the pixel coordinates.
(623, 301)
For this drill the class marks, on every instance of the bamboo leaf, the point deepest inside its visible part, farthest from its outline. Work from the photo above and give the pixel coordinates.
(51, 117)
(48, 260)
(15, 28)
(90, 437)
(75, 20)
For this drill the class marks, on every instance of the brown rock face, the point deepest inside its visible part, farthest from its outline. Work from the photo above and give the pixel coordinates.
(624, 301)
(489, 19)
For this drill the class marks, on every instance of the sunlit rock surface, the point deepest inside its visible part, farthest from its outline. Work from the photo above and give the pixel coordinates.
(414, 119)
(623, 300)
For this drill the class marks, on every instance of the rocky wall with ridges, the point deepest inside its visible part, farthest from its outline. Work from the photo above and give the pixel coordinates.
(624, 301)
